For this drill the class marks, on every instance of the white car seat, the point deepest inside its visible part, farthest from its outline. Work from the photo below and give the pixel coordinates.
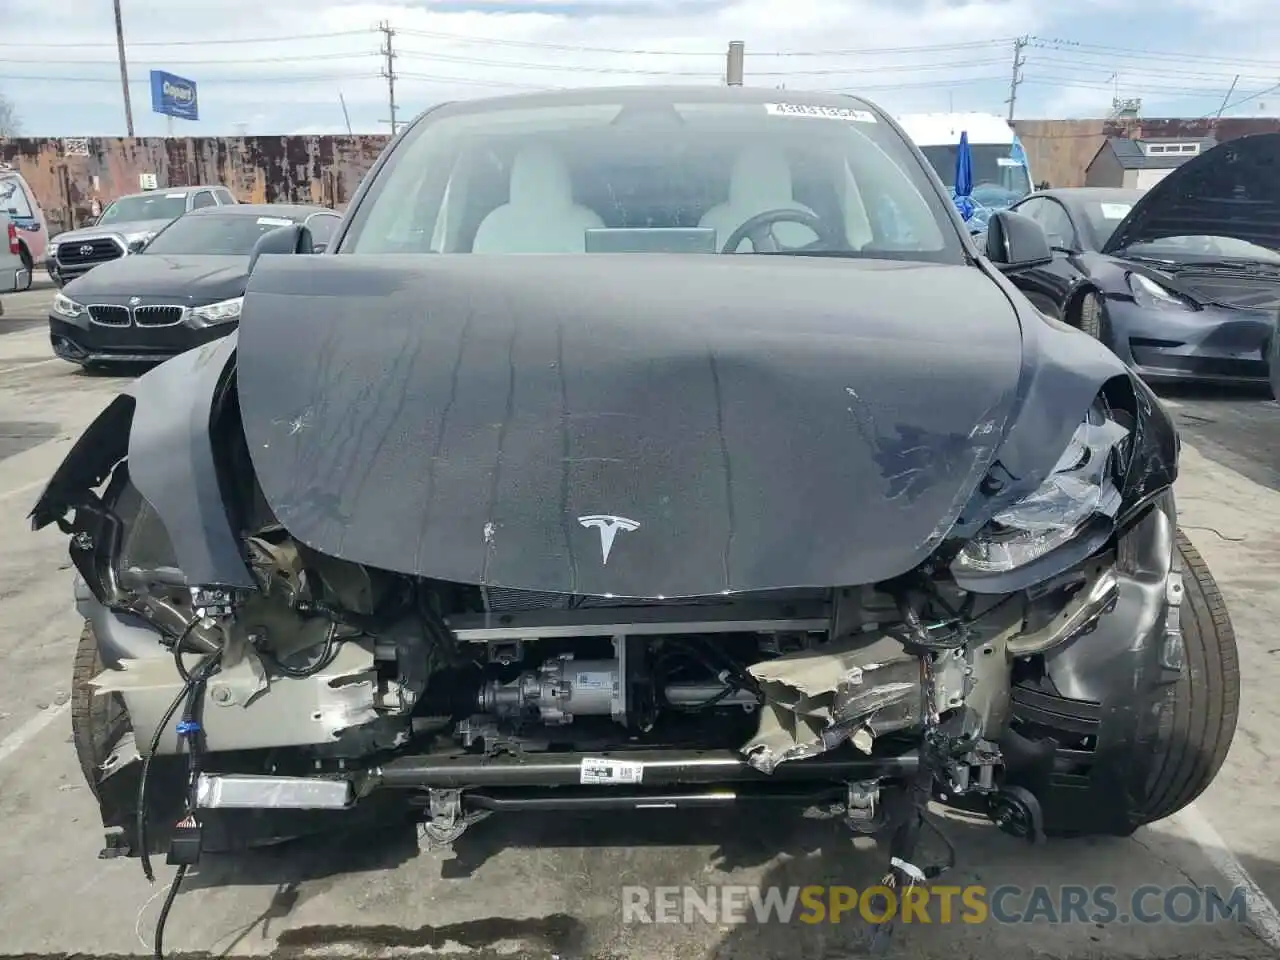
(760, 181)
(540, 216)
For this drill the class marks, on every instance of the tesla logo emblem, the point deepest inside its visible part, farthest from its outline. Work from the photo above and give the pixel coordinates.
(134, 301)
(86, 249)
(609, 527)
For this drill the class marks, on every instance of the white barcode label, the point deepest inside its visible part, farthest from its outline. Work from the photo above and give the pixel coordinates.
(818, 111)
(602, 770)
(593, 681)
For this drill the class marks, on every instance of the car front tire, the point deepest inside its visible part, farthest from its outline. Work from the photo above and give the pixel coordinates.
(98, 721)
(1089, 315)
(1192, 744)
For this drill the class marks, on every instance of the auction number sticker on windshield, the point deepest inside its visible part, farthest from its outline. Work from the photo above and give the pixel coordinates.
(274, 222)
(608, 771)
(1115, 211)
(820, 112)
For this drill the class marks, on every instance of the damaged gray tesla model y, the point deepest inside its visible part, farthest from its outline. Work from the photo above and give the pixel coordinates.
(521, 497)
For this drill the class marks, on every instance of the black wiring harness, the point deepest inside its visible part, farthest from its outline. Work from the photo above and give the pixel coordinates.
(185, 846)
(731, 673)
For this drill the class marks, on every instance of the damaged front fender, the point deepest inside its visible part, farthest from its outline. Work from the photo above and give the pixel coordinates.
(165, 425)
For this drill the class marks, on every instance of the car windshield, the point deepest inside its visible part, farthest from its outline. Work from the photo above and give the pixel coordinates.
(225, 234)
(1210, 247)
(1103, 216)
(148, 206)
(655, 177)
(13, 200)
(998, 180)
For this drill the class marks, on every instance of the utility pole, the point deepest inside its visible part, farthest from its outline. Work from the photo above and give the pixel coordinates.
(124, 70)
(1228, 96)
(389, 71)
(345, 116)
(1018, 62)
(734, 63)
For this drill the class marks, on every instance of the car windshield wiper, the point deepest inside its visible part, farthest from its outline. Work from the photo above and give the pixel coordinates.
(1238, 263)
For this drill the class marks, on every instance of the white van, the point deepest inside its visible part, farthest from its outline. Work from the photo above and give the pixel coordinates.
(1001, 173)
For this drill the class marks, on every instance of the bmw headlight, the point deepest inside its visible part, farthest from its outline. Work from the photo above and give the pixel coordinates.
(224, 311)
(64, 306)
(1149, 294)
(1083, 486)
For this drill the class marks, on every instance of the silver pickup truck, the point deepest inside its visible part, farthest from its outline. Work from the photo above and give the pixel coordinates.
(124, 227)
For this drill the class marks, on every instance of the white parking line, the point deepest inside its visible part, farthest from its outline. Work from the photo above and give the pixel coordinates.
(1263, 915)
(25, 488)
(25, 733)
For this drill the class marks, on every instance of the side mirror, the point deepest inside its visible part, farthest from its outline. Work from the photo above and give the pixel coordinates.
(319, 246)
(292, 239)
(1016, 242)
(90, 221)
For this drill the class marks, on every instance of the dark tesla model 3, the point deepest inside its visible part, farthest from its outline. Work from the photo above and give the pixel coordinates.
(1182, 281)
(183, 289)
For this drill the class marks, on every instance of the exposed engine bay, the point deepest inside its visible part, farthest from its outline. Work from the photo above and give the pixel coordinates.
(353, 667)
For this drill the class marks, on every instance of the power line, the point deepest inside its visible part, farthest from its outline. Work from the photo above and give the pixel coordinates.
(475, 82)
(204, 63)
(1132, 54)
(700, 74)
(45, 78)
(200, 43)
(623, 51)
(1112, 65)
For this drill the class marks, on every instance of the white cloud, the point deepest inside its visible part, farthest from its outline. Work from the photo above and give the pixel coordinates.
(929, 54)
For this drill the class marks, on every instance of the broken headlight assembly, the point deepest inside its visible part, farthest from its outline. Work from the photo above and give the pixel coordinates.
(1152, 296)
(1082, 488)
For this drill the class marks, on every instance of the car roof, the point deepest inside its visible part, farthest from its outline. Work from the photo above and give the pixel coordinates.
(644, 95)
(167, 190)
(294, 211)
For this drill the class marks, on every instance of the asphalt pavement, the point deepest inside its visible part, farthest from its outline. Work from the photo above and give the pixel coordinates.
(550, 886)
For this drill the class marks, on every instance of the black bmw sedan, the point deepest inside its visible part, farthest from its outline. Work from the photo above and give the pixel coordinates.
(183, 289)
(1181, 281)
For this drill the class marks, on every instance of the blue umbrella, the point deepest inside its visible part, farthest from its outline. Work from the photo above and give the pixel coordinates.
(963, 190)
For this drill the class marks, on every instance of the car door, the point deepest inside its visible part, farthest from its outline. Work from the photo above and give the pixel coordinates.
(1050, 286)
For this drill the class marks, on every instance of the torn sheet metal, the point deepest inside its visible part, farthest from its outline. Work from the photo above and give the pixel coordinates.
(293, 712)
(854, 689)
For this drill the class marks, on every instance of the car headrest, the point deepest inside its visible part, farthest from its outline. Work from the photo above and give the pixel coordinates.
(540, 178)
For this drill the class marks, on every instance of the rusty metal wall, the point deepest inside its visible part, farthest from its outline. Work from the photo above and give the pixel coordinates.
(67, 175)
(1060, 150)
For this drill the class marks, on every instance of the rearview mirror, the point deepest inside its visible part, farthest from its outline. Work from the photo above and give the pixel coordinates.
(292, 239)
(1016, 242)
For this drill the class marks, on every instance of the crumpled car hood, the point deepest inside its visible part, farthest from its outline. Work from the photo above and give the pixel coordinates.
(637, 426)
(1232, 190)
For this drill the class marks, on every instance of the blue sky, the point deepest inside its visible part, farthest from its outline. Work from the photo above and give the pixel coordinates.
(277, 68)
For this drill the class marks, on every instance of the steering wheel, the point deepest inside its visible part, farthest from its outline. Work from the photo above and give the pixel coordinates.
(759, 230)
